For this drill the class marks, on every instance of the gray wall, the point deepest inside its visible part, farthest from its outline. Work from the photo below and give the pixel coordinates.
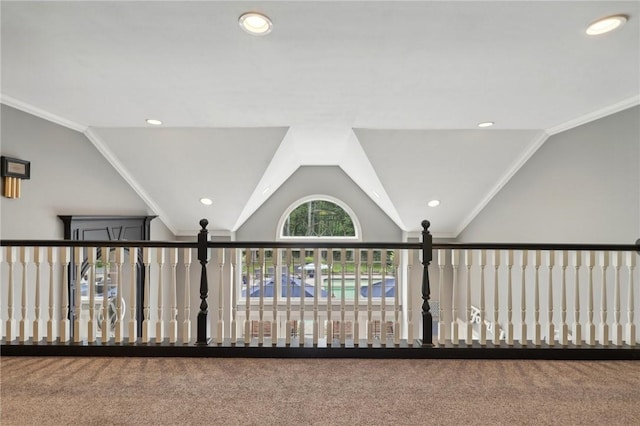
(68, 177)
(582, 185)
(325, 180)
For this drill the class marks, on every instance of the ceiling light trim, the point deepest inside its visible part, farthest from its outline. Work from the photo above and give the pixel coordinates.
(615, 23)
(255, 31)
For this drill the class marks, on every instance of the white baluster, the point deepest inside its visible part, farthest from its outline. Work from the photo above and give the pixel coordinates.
(51, 323)
(186, 323)
(277, 282)
(577, 326)
(356, 301)
(220, 325)
(119, 334)
(301, 331)
(173, 321)
(343, 309)
(1, 260)
(369, 297)
(11, 322)
(37, 330)
(77, 337)
(159, 320)
(564, 328)
(91, 325)
(482, 262)
(410, 328)
(396, 300)
(536, 299)
(617, 327)
(133, 300)
(496, 298)
(604, 327)
(106, 325)
(234, 292)
(591, 328)
(441, 324)
(509, 334)
(630, 329)
(146, 309)
(261, 309)
(383, 291)
(329, 293)
(247, 306)
(524, 260)
(455, 332)
(24, 321)
(551, 331)
(289, 326)
(317, 275)
(468, 261)
(65, 258)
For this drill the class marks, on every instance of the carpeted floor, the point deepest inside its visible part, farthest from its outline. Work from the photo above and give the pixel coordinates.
(238, 391)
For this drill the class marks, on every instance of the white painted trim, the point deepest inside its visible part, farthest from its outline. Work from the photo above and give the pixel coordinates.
(111, 158)
(595, 115)
(100, 146)
(528, 153)
(297, 203)
(538, 142)
(30, 109)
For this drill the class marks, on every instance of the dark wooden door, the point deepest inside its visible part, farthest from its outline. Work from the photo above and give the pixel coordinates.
(106, 228)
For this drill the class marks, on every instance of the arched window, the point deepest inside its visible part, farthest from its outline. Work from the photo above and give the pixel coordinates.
(319, 217)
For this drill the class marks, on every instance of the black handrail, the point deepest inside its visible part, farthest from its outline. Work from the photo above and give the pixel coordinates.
(324, 245)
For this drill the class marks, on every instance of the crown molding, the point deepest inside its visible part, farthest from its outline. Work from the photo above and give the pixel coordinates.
(100, 146)
(595, 115)
(115, 163)
(528, 153)
(538, 142)
(30, 109)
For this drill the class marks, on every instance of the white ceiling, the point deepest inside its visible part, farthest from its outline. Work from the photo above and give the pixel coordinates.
(391, 92)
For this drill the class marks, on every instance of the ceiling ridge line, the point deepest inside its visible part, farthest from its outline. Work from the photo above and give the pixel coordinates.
(124, 173)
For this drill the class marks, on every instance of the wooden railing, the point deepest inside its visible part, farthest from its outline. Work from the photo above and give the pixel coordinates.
(333, 296)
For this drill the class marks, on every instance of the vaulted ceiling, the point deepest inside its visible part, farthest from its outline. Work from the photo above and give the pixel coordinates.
(391, 92)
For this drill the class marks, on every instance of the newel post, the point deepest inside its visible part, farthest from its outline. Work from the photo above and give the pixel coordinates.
(427, 320)
(203, 257)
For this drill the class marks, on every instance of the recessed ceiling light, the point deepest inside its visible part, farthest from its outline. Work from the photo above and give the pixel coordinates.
(255, 23)
(433, 203)
(486, 124)
(154, 121)
(206, 201)
(607, 24)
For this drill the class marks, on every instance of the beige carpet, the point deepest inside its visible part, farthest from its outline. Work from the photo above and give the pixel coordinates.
(214, 391)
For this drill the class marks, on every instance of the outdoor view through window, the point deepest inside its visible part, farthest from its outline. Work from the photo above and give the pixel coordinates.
(318, 218)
